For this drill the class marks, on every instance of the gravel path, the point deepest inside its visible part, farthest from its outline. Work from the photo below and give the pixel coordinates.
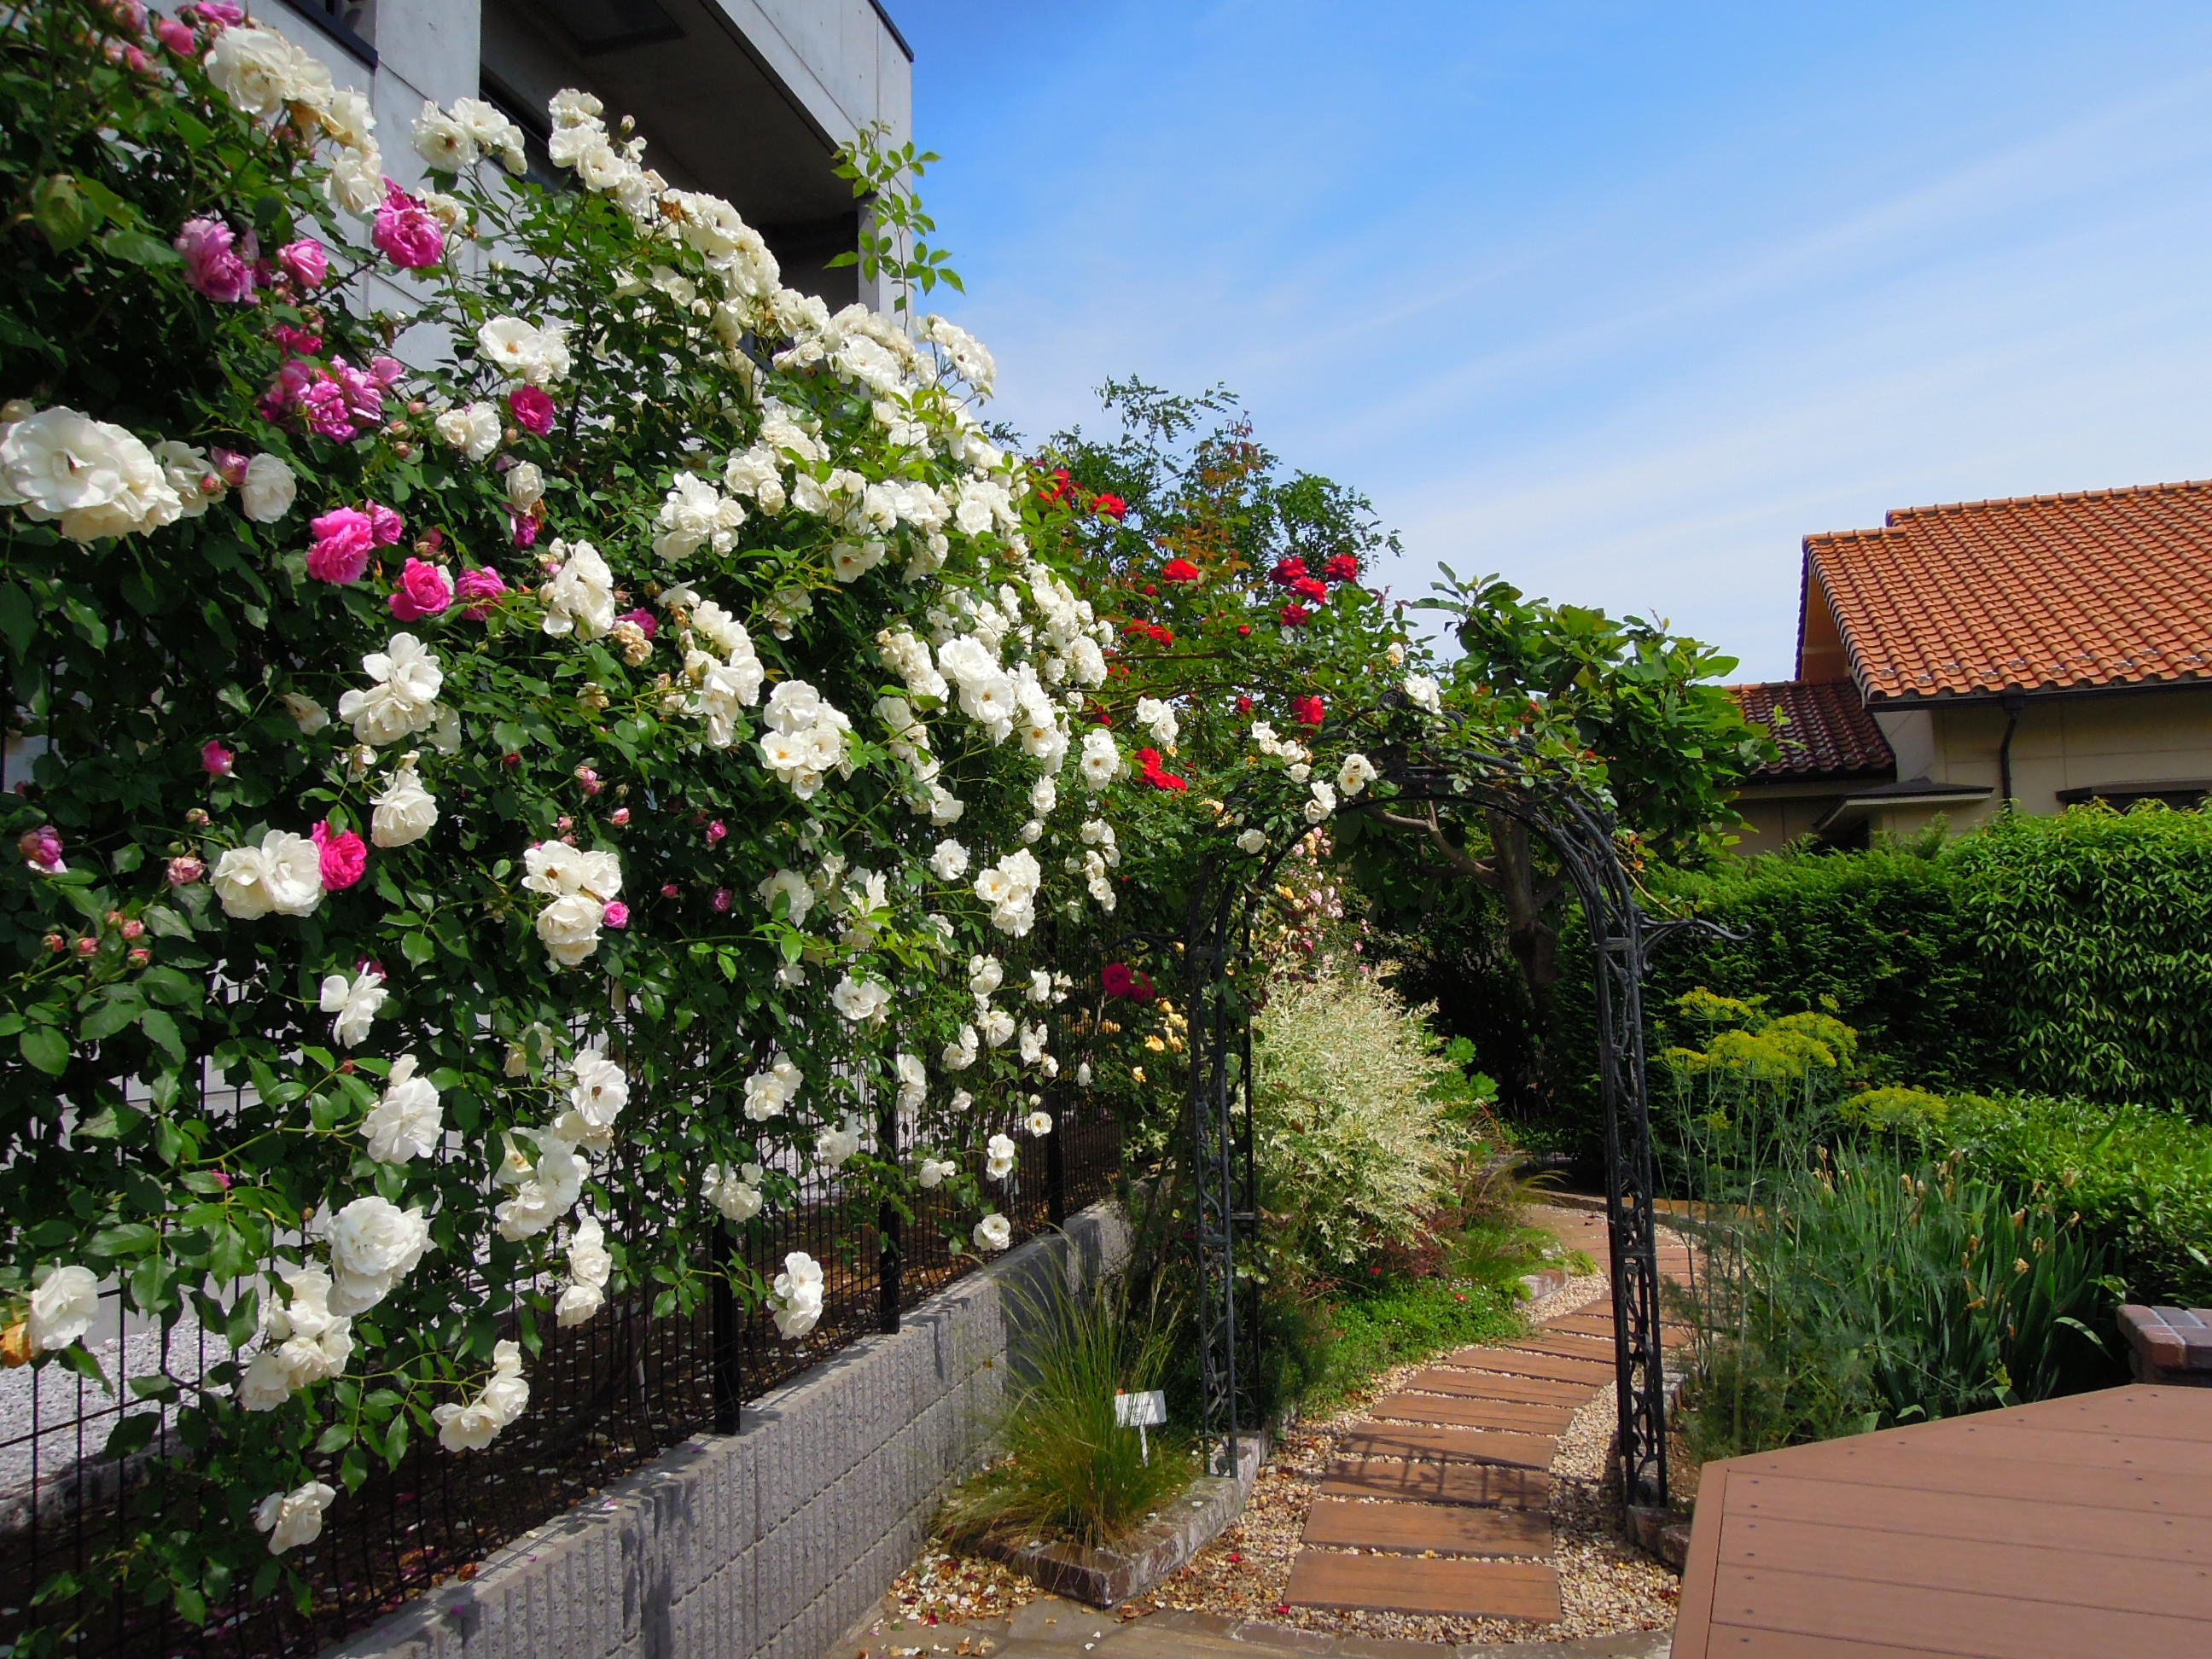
(1607, 1587)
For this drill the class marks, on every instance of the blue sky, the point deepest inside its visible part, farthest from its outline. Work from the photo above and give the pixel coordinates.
(1619, 300)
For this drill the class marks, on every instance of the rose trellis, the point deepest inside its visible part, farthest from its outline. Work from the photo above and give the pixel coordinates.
(566, 744)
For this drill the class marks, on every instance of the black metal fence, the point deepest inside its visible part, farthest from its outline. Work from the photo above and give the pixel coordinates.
(605, 1397)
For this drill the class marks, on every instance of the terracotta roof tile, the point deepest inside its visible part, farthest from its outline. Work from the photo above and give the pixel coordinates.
(1828, 733)
(2039, 592)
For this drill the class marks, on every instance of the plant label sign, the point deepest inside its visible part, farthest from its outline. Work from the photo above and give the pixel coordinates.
(1147, 1410)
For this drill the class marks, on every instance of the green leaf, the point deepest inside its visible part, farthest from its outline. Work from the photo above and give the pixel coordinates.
(161, 1029)
(62, 209)
(136, 247)
(18, 621)
(46, 1049)
(131, 1434)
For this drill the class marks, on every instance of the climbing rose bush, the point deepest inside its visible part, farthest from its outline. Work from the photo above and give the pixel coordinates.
(535, 736)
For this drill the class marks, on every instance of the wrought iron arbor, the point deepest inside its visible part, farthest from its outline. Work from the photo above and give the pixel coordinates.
(1215, 944)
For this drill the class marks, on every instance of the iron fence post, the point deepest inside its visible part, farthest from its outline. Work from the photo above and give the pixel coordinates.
(728, 1352)
(890, 1233)
(1055, 1179)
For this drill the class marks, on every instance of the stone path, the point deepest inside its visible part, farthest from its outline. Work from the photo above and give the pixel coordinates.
(1437, 1503)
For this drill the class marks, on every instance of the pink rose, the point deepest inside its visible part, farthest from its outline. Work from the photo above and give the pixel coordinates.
(185, 870)
(617, 915)
(716, 831)
(178, 37)
(525, 526)
(221, 13)
(210, 264)
(406, 232)
(482, 585)
(669, 889)
(229, 466)
(42, 850)
(305, 261)
(386, 527)
(297, 341)
(327, 410)
(723, 898)
(344, 540)
(533, 409)
(424, 590)
(216, 760)
(345, 856)
(643, 620)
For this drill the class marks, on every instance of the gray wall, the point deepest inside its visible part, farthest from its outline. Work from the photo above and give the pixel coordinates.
(774, 1541)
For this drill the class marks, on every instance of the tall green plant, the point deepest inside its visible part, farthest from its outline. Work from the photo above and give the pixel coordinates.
(1069, 1467)
(1866, 1291)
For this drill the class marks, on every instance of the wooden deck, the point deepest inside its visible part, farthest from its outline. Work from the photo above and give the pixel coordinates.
(2070, 1528)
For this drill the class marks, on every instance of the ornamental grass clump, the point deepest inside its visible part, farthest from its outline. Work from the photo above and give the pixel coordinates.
(1348, 1103)
(1067, 1468)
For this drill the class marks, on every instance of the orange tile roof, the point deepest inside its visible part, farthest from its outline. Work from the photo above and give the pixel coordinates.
(1827, 733)
(2040, 593)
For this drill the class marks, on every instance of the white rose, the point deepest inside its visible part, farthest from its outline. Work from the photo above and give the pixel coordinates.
(309, 715)
(950, 860)
(354, 1001)
(993, 1232)
(283, 874)
(599, 1091)
(467, 1428)
(526, 485)
(1040, 1123)
(473, 430)
(185, 469)
(295, 1517)
(569, 928)
(95, 478)
(62, 1309)
(406, 1121)
(267, 493)
(579, 596)
(260, 72)
(740, 1201)
(373, 1245)
(860, 1001)
(266, 1384)
(356, 180)
(404, 811)
(935, 1171)
(1421, 691)
(1251, 840)
(1355, 774)
(578, 1303)
(538, 356)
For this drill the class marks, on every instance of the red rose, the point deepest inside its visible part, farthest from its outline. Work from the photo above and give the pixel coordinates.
(1287, 571)
(1243, 628)
(1308, 587)
(1294, 615)
(1342, 567)
(1309, 711)
(1243, 705)
(1179, 570)
(1108, 507)
(1116, 980)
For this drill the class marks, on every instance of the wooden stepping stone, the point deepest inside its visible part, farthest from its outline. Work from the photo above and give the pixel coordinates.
(1495, 1385)
(1397, 1584)
(1449, 1528)
(1445, 1444)
(1515, 1414)
(1492, 1485)
(1568, 1345)
(1513, 1363)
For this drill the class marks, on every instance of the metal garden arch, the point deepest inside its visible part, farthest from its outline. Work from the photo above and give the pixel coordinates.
(1216, 943)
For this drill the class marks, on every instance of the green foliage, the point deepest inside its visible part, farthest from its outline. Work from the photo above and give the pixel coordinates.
(1347, 1118)
(1753, 1102)
(1067, 1467)
(1865, 1291)
(2095, 952)
(1403, 1320)
(2139, 1177)
(1909, 1110)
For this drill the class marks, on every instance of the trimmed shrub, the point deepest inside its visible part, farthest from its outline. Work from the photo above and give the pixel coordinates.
(1349, 1096)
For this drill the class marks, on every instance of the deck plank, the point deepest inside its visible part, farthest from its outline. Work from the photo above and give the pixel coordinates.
(2070, 1577)
(1515, 1414)
(2151, 1533)
(1748, 1602)
(1497, 1385)
(1387, 1583)
(1450, 1528)
(1440, 1443)
(1501, 1485)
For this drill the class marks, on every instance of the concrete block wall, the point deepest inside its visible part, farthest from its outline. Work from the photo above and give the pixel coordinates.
(770, 1543)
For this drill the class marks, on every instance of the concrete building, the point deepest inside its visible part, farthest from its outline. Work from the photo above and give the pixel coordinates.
(2046, 650)
(748, 98)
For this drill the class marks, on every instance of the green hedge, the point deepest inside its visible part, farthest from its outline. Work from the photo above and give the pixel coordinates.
(2066, 955)
(2140, 1177)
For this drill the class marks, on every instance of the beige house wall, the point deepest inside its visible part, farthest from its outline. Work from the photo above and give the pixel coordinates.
(2072, 743)
(1774, 816)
